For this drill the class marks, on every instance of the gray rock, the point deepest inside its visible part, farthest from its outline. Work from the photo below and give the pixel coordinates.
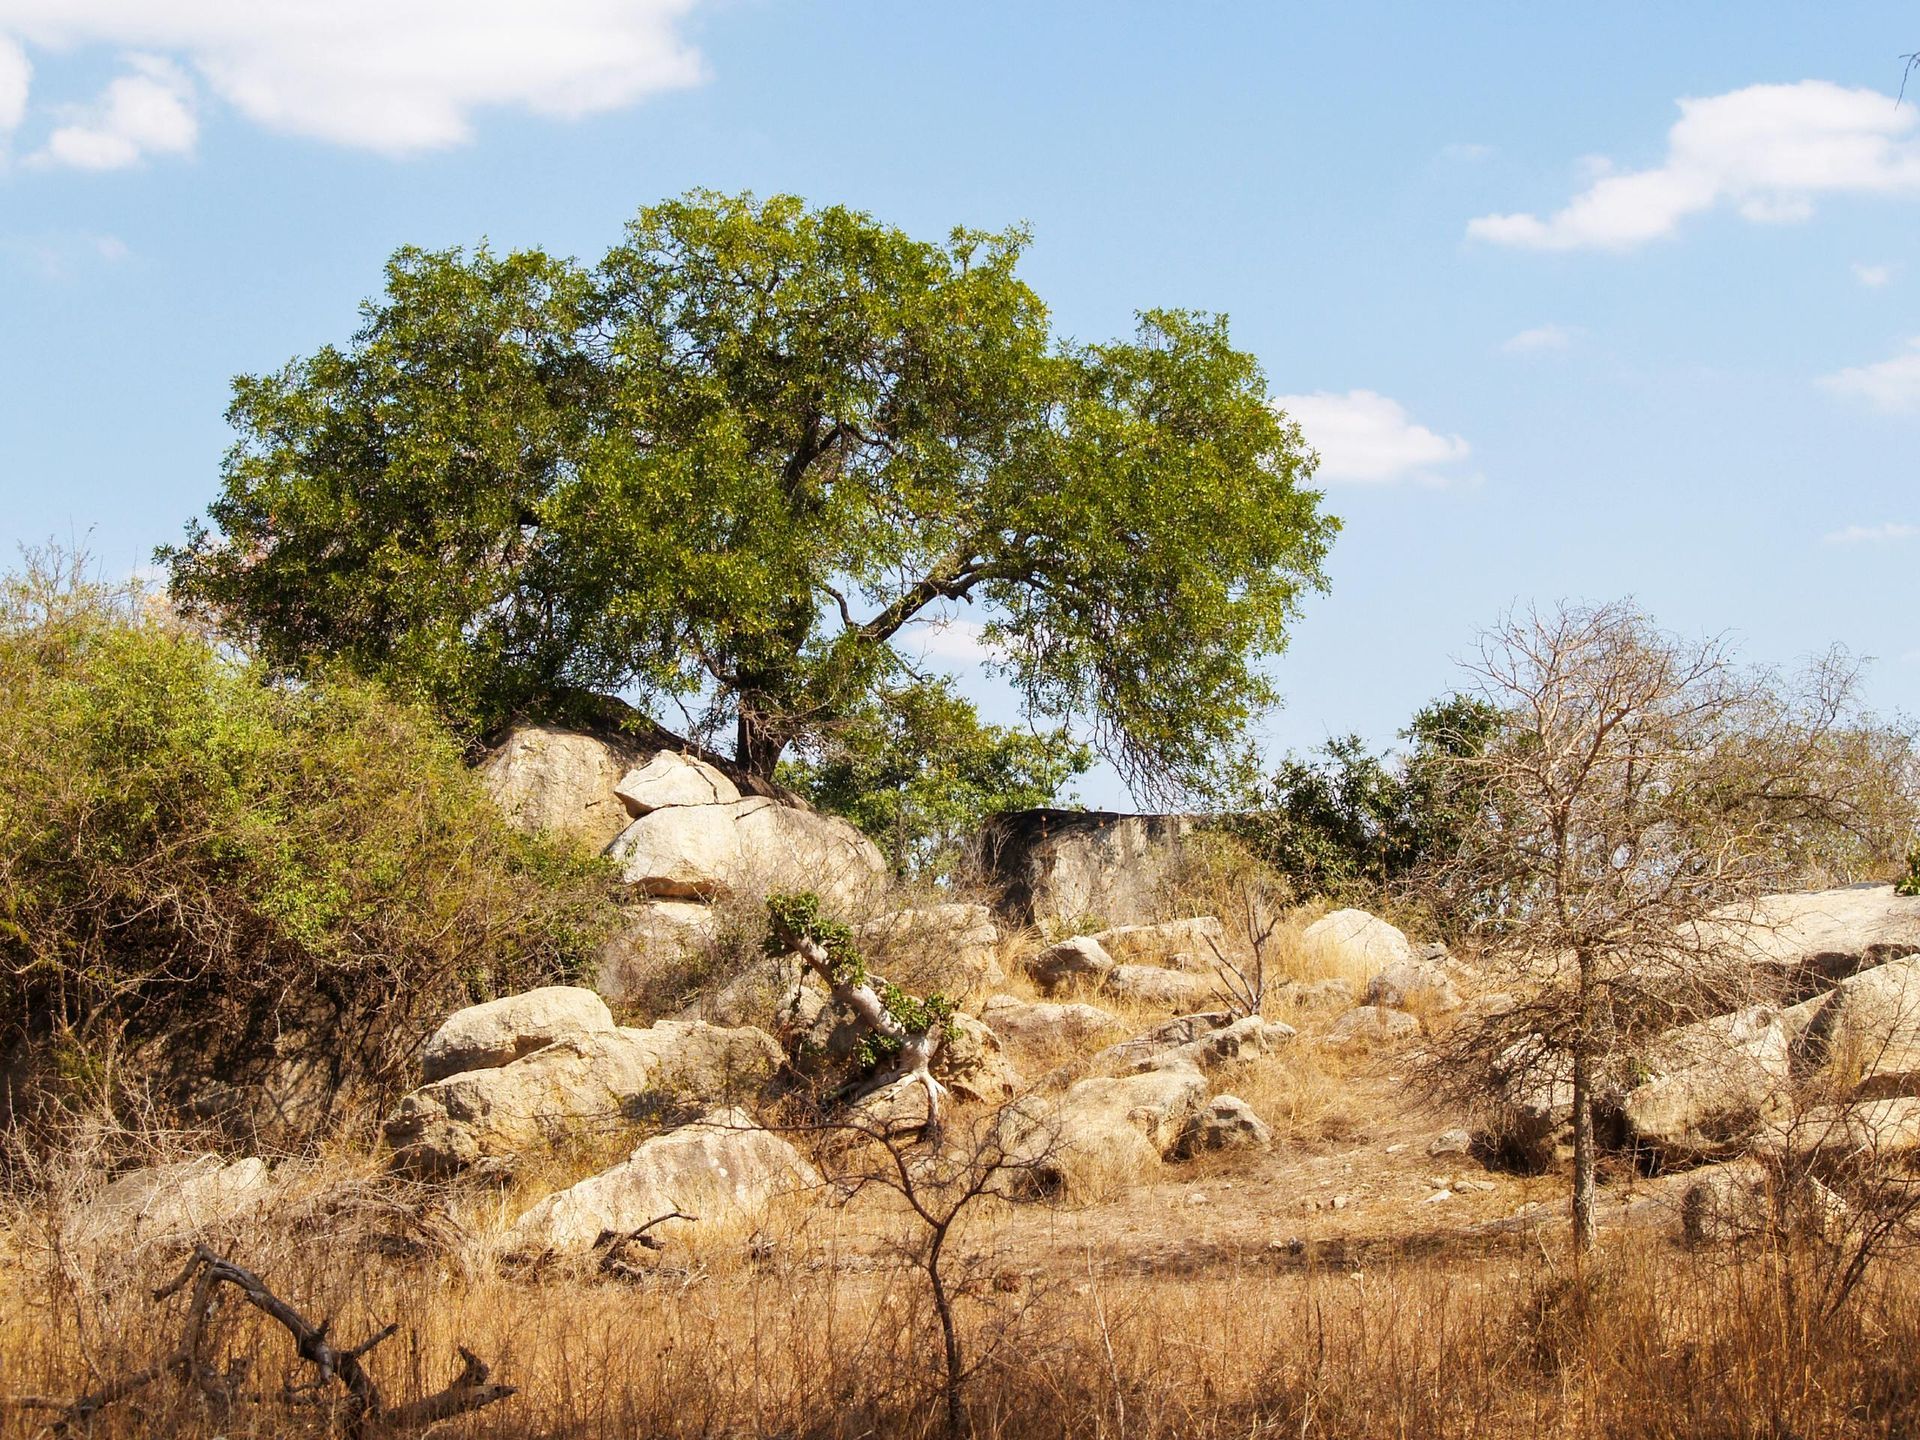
(671, 779)
(1245, 1039)
(560, 782)
(1314, 996)
(1868, 1030)
(1077, 962)
(499, 1032)
(654, 937)
(1815, 937)
(1046, 1026)
(1227, 1123)
(1413, 985)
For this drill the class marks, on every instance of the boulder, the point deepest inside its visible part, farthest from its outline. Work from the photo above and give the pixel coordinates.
(598, 1082)
(177, 1201)
(1042, 1029)
(1867, 1031)
(1355, 940)
(1867, 1135)
(1108, 1129)
(1711, 1085)
(560, 782)
(1314, 996)
(1814, 938)
(1226, 1123)
(1061, 867)
(705, 851)
(1157, 985)
(1080, 961)
(1366, 1025)
(1161, 943)
(673, 779)
(1413, 985)
(1205, 1042)
(653, 937)
(720, 1170)
(499, 1032)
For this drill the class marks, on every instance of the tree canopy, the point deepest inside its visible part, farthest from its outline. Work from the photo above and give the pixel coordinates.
(722, 469)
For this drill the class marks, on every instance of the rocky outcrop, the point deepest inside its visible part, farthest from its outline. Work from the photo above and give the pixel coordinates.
(591, 1083)
(1063, 866)
(671, 779)
(721, 1170)
(561, 782)
(1814, 938)
(1712, 1084)
(1870, 1135)
(1357, 941)
(705, 851)
(499, 1032)
(973, 1064)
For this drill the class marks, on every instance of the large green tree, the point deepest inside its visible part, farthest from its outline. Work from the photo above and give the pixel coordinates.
(725, 467)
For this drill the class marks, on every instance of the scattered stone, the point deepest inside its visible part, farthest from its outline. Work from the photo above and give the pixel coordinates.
(1477, 1185)
(671, 779)
(1451, 1142)
(1079, 961)
(1370, 1025)
(482, 1037)
(719, 1170)
(1437, 1196)
(1359, 940)
(603, 1081)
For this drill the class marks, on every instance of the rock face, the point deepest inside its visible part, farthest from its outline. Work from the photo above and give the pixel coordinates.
(705, 851)
(600, 1081)
(1062, 866)
(1867, 1032)
(672, 779)
(1713, 1084)
(1354, 939)
(1820, 936)
(720, 1170)
(1370, 1025)
(1080, 961)
(499, 1032)
(180, 1200)
(1103, 1130)
(561, 782)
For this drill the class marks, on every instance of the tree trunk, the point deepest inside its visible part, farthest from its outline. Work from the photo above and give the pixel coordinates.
(950, 1337)
(1583, 1148)
(757, 747)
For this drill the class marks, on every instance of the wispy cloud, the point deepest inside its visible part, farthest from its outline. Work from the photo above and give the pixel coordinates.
(1891, 385)
(1766, 150)
(395, 78)
(1872, 276)
(1884, 533)
(63, 256)
(1364, 437)
(1540, 337)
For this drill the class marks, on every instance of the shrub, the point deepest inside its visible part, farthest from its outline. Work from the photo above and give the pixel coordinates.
(204, 873)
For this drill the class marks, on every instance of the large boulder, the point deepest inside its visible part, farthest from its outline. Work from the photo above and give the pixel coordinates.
(1078, 962)
(1102, 1131)
(1867, 1031)
(599, 1082)
(720, 1170)
(1711, 1085)
(1356, 941)
(499, 1032)
(673, 779)
(561, 782)
(1814, 938)
(705, 851)
(186, 1199)
(1061, 867)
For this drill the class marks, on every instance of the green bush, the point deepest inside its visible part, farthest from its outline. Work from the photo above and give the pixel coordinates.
(238, 898)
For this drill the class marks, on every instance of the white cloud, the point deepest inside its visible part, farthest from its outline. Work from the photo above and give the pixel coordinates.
(951, 638)
(16, 75)
(1872, 276)
(397, 76)
(1540, 337)
(1767, 150)
(1890, 385)
(1872, 534)
(1364, 437)
(148, 111)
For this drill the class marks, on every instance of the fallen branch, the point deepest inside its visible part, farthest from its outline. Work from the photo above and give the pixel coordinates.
(364, 1411)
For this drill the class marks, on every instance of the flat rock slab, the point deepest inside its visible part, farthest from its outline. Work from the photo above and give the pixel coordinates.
(499, 1032)
(672, 779)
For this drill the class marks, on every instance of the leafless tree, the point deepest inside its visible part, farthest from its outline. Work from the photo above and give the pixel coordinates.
(1642, 792)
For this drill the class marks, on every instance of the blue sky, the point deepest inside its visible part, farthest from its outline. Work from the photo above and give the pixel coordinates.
(1556, 335)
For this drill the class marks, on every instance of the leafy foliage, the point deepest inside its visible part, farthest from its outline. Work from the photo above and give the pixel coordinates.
(917, 771)
(205, 873)
(725, 466)
(1354, 819)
